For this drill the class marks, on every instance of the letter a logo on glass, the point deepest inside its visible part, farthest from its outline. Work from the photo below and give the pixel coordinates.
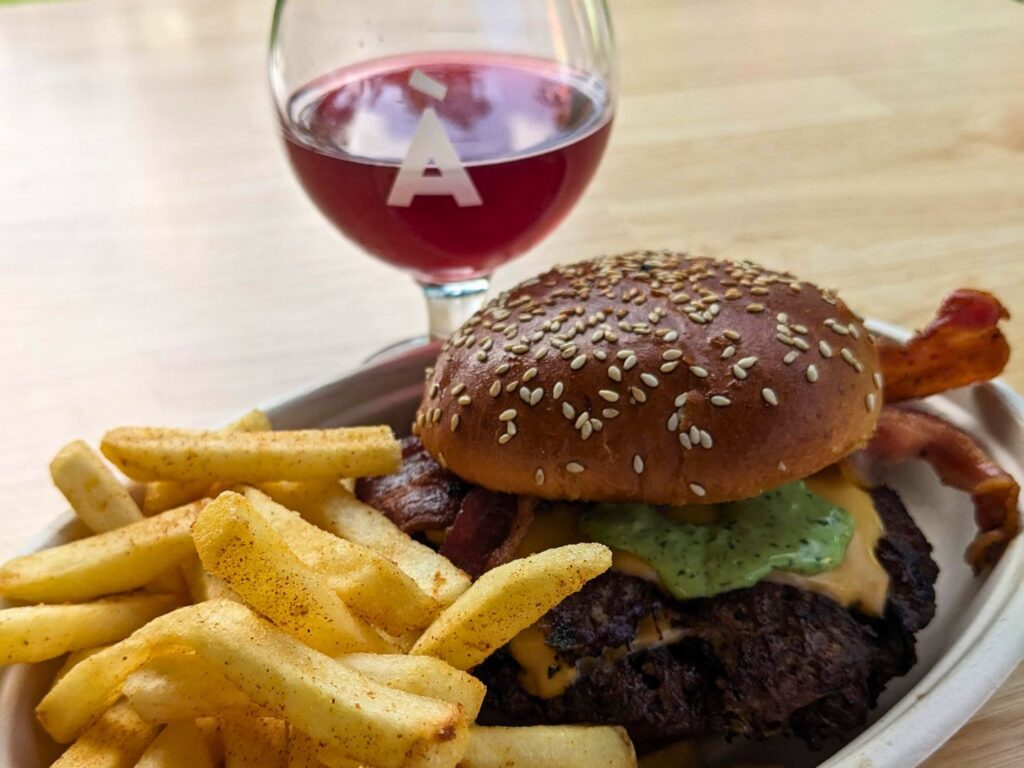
(432, 147)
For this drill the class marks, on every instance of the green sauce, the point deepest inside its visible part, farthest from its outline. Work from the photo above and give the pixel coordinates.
(788, 529)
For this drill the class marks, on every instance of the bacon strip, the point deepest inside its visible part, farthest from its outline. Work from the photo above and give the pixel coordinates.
(961, 346)
(960, 463)
(488, 530)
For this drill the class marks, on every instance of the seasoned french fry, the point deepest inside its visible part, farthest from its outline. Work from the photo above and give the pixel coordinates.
(549, 746)
(117, 740)
(162, 495)
(303, 752)
(104, 564)
(179, 745)
(203, 585)
(253, 742)
(100, 500)
(370, 584)
(237, 544)
(508, 599)
(149, 453)
(422, 675)
(339, 708)
(39, 632)
(682, 754)
(185, 686)
(333, 508)
(75, 657)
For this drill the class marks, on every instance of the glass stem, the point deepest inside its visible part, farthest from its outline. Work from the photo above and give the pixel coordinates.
(449, 305)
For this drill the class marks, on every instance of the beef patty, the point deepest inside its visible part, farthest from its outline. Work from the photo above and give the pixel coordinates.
(754, 662)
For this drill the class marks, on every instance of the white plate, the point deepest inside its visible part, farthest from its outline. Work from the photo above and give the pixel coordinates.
(972, 645)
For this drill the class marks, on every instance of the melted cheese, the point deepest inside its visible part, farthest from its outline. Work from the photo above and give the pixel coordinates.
(860, 580)
(543, 673)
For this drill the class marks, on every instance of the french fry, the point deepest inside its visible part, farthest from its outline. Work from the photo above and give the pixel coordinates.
(237, 544)
(339, 708)
(333, 508)
(179, 745)
(161, 495)
(370, 584)
(150, 453)
(254, 742)
(549, 746)
(185, 686)
(209, 727)
(682, 754)
(100, 500)
(39, 632)
(303, 752)
(104, 564)
(507, 600)
(117, 740)
(422, 675)
(75, 657)
(203, 585)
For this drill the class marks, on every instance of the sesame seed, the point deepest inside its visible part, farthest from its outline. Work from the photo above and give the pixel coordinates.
(849, 357)
(458, 389)
(671, 354)
(556, 392)
(454, 423)
(504, 438)
(538, 477)
(614, 373)
(601, 355)
(800, 328)
(801, 344)
(524, 394)
(755, 307)
(529, 374)
(697, 489)
(747, 362)
(705, 440)
(790, 357)
(597, 424)
(699, 372)
(436, 415)
(568, 411)
(597, 335)
(638, 464)
(536, 396)
(609, 413)
(825, 349)
(769, 396)
(728, 352)
(465, 400)
(520, 349)
(508, 415)
(649, 379)
(869, 401)
(695, 434)
(511, 428)
(782, 317)
(495, 389)
(586, 430)
(625, 354)
(673, 422)
(574, 467)
(578, 362)
(680, 400)
(720, 401)
(630, 362)
(609, 395)
(434, 389)
(684, 440)
(638, 394)
(502, 369)
(785, 339)
(731, 334)
(877, 378)
(581, 420)
(811, 373)
(759, 291)
(840, 329)
(671, 336)
(697, 318)
(669, 367)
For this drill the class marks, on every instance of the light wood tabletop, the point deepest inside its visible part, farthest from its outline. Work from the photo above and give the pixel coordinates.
(159, 263)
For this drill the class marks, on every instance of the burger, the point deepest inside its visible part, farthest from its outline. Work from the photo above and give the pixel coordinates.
(715, 423)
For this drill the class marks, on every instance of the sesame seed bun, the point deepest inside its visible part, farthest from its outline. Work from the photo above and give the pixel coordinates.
(652, 377)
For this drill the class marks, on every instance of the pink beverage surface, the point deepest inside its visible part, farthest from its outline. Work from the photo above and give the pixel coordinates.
(529, 131)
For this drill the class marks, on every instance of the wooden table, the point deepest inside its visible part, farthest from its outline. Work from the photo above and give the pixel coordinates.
(159, 264)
